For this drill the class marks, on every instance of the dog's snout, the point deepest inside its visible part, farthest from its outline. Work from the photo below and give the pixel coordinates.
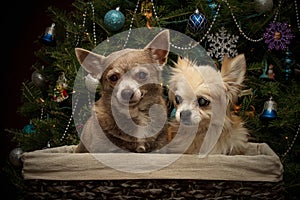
(127, 94)
(185, 115)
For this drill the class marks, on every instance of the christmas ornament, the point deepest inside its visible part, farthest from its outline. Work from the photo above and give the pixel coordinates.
(236, 108)
(48, 145)
(222, 44)
(91, 83)
(288, 62)
(262, 6)
(271, 73)
(197, 22)
(213, 6)
(270, 110)
(60, 90)
(48, 37)
(251, 112)
(268, 71)
(15, 156)
(264, 74)
(114, 19)
(38, 79)
(278, 36)
(146, 10)
(29, 128)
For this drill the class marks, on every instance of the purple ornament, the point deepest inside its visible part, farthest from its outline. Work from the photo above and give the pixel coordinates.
(278, 36)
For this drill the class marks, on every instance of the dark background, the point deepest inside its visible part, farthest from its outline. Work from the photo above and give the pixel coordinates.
(22, 23)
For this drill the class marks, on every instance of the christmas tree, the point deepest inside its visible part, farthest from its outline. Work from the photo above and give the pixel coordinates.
(266, 31)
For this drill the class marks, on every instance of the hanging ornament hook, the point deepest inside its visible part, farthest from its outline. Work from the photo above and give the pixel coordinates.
(48, 37)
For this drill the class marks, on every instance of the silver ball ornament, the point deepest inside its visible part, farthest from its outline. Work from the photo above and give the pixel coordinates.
(15, 156)
(91, 83)
(262, 6)
(38, 79)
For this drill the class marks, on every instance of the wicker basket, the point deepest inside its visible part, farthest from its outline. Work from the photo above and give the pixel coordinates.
(58, 173)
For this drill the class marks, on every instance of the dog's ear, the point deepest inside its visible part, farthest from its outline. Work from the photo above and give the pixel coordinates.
(233, 73)
(90, 61)
(160, 47)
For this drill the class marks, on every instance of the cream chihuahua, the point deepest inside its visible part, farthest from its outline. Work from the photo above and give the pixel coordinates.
(131, 114)
(203, 97)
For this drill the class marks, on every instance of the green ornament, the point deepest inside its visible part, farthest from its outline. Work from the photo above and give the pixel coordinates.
(114, 19)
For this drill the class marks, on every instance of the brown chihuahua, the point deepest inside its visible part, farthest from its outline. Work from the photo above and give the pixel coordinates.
(131, 114)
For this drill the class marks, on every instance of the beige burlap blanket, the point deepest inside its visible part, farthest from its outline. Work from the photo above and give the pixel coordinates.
(60, 163)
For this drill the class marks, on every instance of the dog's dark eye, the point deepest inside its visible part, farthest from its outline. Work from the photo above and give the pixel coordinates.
(178, 99)
(113, 78)
(203, 102)
(141, 75)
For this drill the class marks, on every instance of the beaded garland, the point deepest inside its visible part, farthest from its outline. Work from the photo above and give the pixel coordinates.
(297, 15)
(84, 22)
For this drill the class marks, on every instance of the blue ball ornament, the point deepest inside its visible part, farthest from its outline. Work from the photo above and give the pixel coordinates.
(197, 22)
(29, 128)
(114, 19)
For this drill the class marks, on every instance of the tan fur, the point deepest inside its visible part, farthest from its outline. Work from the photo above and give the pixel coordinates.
(126, 64)
(190, 82)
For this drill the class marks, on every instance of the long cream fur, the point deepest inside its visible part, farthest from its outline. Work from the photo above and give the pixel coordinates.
(190, 81)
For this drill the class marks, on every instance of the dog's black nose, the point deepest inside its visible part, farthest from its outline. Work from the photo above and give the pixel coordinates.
(185, 116)
(127, 94)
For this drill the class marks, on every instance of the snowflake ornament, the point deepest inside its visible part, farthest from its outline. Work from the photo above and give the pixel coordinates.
(221, 44)
(278, 36)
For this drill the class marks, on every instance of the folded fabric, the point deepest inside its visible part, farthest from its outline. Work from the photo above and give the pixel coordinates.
(61, 163)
